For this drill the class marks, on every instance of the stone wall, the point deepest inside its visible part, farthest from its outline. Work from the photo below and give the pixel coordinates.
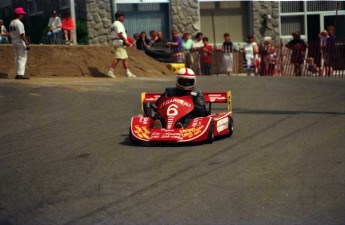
(185, 16)
(98, 21)
(266, 20)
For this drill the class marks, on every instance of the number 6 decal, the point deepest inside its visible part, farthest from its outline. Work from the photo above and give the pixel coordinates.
(172, 110)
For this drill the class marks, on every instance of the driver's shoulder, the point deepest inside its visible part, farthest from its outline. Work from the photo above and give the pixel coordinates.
(170, 91)
(196, 92)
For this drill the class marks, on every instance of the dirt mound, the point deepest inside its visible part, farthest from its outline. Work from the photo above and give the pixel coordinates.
(94, 61)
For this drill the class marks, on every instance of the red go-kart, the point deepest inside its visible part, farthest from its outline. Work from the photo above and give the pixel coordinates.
(171, 109)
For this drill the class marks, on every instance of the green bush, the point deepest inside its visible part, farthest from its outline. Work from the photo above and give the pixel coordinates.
(82, 34)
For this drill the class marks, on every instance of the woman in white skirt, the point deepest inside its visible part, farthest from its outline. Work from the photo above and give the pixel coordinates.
(226, 49)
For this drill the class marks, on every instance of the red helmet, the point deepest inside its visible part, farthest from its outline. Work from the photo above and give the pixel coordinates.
(185, 79)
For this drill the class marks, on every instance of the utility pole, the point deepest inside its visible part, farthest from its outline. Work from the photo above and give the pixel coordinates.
(113, 10)
(72, 8)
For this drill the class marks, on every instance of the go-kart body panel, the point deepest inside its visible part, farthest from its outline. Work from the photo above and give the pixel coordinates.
(195, 132)
(172, 109)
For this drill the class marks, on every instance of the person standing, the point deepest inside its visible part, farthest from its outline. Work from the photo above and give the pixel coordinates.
(143, 42)
(250, 49)
(186, 48)
(197, 52)
(226, 49)
(154, 37)
(20, 43)
(206, 57)
(176, 46)
(267, 57)
(329, 51)
(160, 42)
(298, 47)
(119, 45)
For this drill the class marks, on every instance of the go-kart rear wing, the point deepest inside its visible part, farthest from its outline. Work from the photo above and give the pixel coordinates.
(210, 97)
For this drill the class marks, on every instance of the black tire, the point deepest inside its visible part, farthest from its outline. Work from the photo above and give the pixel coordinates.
(131, 139)
(159, 53)
(210, 137)
(231, 127)
(170, 60)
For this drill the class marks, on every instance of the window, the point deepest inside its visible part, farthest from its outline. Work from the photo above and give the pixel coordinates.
(34, 8)
(318, 6)
(292, 6)
(64, 4)
(5, 3)
(290, 24)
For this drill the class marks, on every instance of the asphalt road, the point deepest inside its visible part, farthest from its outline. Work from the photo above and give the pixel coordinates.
(65, 157)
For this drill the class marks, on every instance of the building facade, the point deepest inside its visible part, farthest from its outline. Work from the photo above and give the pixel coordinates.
(276, 19)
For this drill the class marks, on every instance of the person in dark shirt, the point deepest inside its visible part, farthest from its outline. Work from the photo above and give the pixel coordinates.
(143, 42)
(330, 50)
(226, 49)
(298, 47)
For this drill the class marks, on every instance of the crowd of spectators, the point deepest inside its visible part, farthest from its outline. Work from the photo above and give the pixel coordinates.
(198, 54)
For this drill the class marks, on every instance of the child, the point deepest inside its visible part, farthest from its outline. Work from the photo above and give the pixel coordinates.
(226, 48)
(206, 60)
(68, 27)
(323, 40)
(272, 61)
(312, 66)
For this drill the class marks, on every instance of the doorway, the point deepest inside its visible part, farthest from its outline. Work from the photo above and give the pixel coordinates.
(313, 24)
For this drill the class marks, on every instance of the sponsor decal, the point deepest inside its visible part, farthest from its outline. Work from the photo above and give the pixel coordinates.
(171, 113)
(216, 97)
(143, 120)
(222, 124)
(174, 100)
(197, 122)
(172, 136)
(142, 131)
(191, 132)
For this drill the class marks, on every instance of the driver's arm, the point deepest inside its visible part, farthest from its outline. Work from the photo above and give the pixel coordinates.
(199, 104)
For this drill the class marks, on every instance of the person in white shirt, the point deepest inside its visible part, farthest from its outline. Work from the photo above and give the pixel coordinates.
(250, 50)
(3, 33)
(197, 51)
(120, 43)
(19, 42)
(54, 25)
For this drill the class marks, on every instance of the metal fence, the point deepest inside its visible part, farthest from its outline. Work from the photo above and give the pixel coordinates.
(278, 64)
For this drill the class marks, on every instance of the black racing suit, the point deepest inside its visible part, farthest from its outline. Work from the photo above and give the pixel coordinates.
(198, 100)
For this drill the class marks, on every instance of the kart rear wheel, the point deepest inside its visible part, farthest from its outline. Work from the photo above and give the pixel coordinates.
(210, 136)
(231, 127)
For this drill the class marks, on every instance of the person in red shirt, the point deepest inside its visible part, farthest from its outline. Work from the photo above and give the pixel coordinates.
(68, 28)
(205, 57)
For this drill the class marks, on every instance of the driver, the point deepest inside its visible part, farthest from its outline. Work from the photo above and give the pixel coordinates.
(185, 86)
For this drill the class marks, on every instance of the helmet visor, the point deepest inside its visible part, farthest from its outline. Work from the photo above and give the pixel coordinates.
(186, 82)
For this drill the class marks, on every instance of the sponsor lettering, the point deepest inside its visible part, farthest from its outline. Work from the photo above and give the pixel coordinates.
(191, 132)
(172, 136)
(179, 101)
(143, 120)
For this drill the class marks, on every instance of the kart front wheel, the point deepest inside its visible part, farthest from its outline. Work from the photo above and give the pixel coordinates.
(210, 136)
(131, 139)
